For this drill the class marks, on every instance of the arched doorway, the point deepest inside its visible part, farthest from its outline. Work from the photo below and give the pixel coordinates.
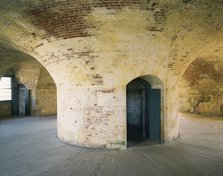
(24, 100)
(143, 111)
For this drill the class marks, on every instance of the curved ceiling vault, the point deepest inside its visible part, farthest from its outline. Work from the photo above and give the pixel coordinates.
(11, 59)
(190, 28)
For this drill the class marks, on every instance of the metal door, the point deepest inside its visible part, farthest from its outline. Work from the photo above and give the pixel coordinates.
(154, 114)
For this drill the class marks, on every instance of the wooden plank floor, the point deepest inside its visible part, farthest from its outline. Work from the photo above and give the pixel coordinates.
(29, 147)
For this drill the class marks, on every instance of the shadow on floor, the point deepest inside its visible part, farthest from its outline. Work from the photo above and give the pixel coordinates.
(140, 143)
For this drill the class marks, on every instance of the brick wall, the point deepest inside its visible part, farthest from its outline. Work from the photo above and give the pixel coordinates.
(68, 19)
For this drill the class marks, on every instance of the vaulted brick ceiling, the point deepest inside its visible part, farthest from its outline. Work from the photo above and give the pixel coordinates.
(192, 28)
(11, 59)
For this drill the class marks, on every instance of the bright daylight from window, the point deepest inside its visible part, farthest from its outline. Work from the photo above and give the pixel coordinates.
(5, 89)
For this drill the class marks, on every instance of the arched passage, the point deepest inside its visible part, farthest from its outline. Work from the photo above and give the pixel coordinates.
(32, 88)
(144, 102)
(200, 87)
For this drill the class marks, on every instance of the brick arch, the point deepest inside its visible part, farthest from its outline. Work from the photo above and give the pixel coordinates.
(210, 50)
(200, 83)
(24, 70)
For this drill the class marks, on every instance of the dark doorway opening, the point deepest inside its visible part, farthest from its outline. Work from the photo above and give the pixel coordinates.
(24, 101)
(143, 113)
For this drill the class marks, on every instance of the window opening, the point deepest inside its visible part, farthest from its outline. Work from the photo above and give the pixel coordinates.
(5, 89)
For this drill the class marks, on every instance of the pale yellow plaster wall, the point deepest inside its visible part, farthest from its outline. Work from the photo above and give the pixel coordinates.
(46, 94)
